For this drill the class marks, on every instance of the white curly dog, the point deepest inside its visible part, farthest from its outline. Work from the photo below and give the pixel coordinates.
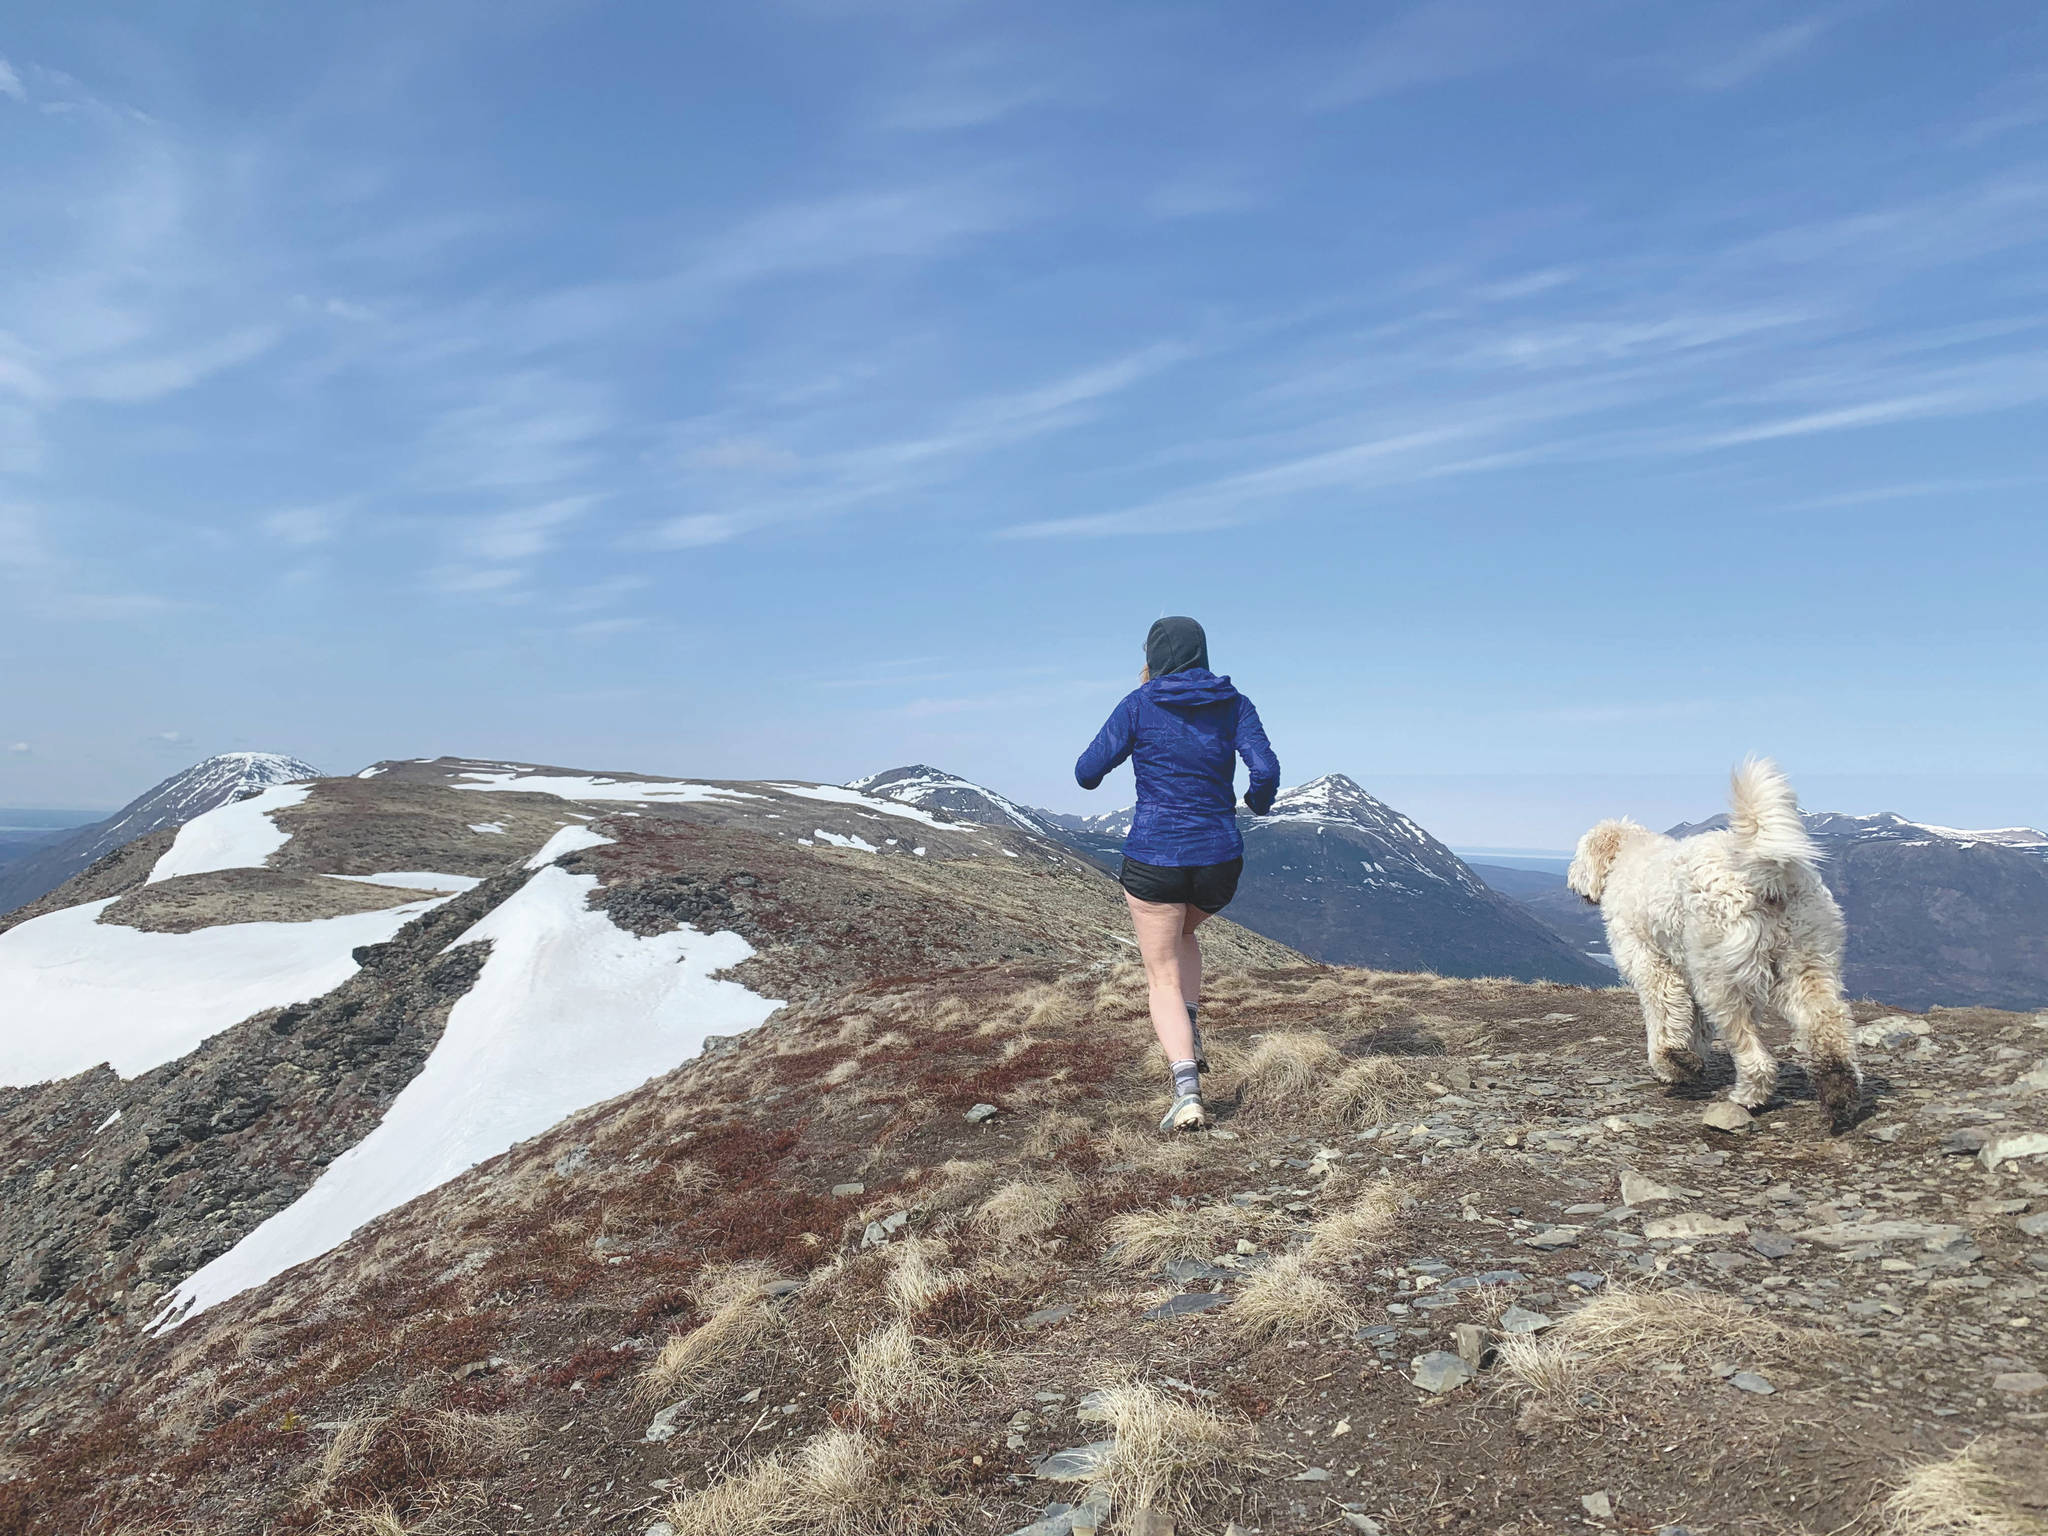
(1713, 931)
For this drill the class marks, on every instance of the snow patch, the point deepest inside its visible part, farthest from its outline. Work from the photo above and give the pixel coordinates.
(569, 1010)
(238, 835)
(370, 773)
(837, 841)
(80, 992)
(415, 880)
(581, 787)
(839, 796)
(495, 827)
(568, 840)
(106, 1122)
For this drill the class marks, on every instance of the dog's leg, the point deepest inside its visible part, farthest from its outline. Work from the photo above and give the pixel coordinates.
(1667, 1020)
(1734, 1014)
(1812, 1001)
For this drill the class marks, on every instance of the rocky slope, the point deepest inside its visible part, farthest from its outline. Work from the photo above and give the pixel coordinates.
(1936, 915)
(216, 781)
(272, 978)
(909, 1256)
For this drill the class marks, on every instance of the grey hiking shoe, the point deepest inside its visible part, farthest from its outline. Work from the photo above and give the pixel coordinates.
(1187, 1114)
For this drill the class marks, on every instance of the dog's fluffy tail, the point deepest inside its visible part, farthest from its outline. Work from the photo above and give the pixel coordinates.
(1764, 815)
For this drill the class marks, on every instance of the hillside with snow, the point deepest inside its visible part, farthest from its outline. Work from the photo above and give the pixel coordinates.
(311, 1004)
(554, 1151)
(216, 781)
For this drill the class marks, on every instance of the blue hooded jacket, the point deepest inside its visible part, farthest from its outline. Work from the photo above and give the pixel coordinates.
(1183, 733)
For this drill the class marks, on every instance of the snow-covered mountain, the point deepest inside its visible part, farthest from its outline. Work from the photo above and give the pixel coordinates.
(957, 799)
(215, 782)
(1937, 915)
(1344, 877)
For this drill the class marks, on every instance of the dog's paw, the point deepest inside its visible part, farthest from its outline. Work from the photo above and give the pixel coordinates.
(1840, 1089)
(1676, 1066)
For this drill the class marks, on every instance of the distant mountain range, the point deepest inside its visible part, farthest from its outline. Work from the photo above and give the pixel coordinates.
(1344, 877)
(1331, 872)
(217, 781)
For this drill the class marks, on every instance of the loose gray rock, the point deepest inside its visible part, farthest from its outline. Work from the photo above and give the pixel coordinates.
(2020, 1383)
(1470, 1340)
(1727, 1116)
(2004, 1149)
(1311, 1475)
(1749, 1381)
(1587, 1279)
(1520, 1319)
(1552, 1238)
(845, 1191)
(1598, 1505)
(1772, 1245)
(2035, 1225)
(663, 1426)
(1045, 1317)
(979, 1113)
(1076, 1464)
(1640, 1189)
(1186, 1304)
(660, 1528)
(1692, 1225)
(1439, 1371)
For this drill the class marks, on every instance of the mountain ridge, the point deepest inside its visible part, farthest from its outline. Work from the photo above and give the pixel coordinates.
(191, 792)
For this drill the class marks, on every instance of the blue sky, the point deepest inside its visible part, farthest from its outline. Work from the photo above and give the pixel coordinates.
(1541, 405)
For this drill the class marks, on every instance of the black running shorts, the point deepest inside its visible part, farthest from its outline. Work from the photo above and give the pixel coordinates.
(1208, 886)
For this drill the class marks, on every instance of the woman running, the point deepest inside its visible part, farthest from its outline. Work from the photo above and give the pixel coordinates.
(1183, 729)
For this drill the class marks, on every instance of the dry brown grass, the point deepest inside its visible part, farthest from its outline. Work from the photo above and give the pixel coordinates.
(1055, 1131)
(1284, 1069)
(1024, 1210)
(1549, 1384)
(1366, 1092)
(916, 1276)
(1288, 1298)
(833, 1485)
(1964, 1494)
(1143, 1239)
(342, 1453)
(1363, 1228)
(1627, 1323)
(1169, 1455)
(1144, 1148)
(738, 1320)
(473, 1441)
(893, 1370)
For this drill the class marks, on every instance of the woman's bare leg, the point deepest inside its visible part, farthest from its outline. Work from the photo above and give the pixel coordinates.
(1160, 928)
(1191, 955)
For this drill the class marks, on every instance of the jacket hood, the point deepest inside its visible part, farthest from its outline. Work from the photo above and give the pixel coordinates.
(1176, 645)
(1188, 688)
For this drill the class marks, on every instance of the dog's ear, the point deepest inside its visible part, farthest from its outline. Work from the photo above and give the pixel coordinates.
(1594, 859)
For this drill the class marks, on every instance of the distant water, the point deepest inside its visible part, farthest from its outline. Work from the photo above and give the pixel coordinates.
(16, 819)
(1548, 859)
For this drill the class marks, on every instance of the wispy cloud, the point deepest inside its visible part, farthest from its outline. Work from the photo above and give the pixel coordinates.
(1436, 41)
(1762, 53)
(10, 83)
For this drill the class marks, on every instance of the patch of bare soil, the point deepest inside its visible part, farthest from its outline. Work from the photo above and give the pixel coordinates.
(794, 1287)
(191, 902)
